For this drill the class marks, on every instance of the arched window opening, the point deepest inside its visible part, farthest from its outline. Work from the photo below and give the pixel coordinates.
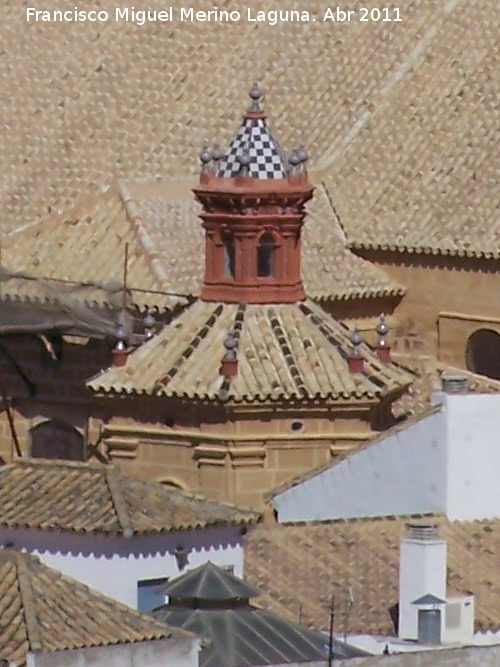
(483, 353)
(266, 252)
(55, 440)
(228, 241)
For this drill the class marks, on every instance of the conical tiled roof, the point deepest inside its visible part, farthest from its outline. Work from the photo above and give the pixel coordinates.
(209, 582)
(264, 155)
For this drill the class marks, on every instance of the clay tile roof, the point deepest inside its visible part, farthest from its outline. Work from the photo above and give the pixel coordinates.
(43, 610)
(428, 369)
(419, 172)
(80, 255)
(78, 497)
(329, 270)
(300, 566)
(284, 350)
(401, 116)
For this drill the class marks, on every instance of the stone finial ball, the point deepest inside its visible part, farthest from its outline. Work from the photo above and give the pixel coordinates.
(255, 93)
(382, 328)
(206, 155)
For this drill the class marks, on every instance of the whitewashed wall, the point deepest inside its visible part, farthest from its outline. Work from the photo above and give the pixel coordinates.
(403, 472)
(447, 461)
(114, 565)
(473, 489)
(172, 652)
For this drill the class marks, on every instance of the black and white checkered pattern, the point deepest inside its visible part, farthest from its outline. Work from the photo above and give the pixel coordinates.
(266, 156)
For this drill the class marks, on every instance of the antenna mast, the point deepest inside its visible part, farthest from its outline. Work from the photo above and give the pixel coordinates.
(330, 643)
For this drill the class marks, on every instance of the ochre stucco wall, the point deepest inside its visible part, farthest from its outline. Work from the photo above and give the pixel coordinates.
(238, 458)
(446, 300)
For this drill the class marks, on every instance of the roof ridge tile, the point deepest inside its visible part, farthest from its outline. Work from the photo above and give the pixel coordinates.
(113, 480)
(28, 602)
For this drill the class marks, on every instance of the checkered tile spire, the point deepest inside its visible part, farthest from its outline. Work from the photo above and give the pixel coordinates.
(266, 157)
(253, 138)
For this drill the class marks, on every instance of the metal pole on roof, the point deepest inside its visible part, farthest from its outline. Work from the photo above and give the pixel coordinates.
(125, 271)
(348, 607)
(330, 643)
(10, 419)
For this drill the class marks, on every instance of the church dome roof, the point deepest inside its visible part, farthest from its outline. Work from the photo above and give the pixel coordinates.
(284, 351)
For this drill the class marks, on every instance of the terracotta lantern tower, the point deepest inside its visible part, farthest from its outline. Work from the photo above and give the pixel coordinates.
(252, 202)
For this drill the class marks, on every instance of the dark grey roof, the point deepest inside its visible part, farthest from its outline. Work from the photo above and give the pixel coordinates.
(209, 582)
(242, 637)
(238, 635)
(429, 598)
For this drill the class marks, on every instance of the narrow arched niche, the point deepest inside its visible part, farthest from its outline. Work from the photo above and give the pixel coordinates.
(57, 440)
(229, 255)
(266, 256)
(482, 353)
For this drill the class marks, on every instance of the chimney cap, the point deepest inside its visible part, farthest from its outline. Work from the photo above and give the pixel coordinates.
(454, 383)
(429, 599)
(423, 529)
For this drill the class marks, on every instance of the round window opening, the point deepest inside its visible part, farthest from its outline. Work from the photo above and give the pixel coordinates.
(483, 353)
(297, 426)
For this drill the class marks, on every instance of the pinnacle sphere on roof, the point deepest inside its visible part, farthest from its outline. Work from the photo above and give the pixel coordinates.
(294, 158)
(303, 153)
(206, 154)
(230, 341)
(356, 337)
(382, 328)
(217, 153)
(255, 95)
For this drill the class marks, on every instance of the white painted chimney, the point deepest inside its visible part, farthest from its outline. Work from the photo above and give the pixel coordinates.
(422, 574)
